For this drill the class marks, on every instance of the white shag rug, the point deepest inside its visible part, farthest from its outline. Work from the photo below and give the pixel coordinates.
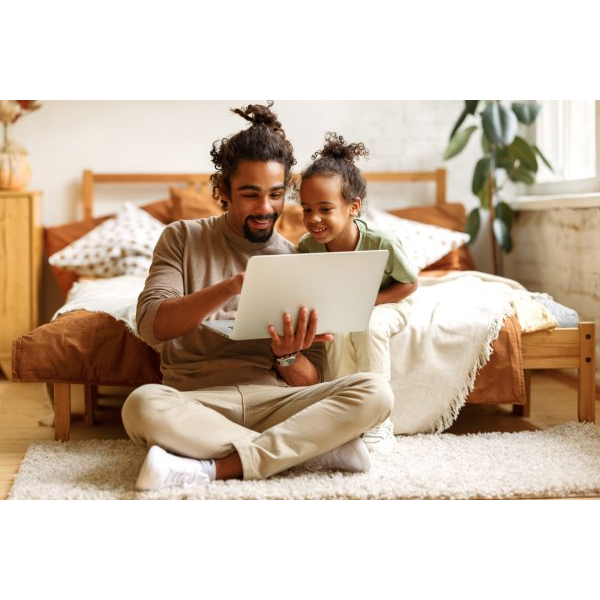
(559, 462)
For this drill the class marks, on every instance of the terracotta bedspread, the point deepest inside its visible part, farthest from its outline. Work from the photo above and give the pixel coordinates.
(84, 347)
(92, 347)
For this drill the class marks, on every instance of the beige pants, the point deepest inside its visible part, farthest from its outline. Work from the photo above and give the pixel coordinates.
(272, 428)
(367, 350)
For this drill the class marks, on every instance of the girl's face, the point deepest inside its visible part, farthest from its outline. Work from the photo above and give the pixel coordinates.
(327, 216)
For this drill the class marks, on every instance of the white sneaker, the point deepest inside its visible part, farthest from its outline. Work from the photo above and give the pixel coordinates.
(380, 438)
(352, 456)
(161, 469)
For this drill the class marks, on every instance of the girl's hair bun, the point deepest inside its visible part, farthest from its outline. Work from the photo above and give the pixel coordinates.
(336, 147)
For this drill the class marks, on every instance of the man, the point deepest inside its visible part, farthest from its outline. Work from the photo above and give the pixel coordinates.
(239, 409)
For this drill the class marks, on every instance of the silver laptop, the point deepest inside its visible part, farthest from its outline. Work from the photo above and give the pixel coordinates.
(340, 286)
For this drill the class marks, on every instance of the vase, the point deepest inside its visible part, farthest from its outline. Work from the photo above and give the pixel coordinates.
(15, 170)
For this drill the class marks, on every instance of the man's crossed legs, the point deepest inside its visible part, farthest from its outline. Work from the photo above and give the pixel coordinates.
(254, 431)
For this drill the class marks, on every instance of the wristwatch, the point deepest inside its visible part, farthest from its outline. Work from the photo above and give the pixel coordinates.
(287, 360)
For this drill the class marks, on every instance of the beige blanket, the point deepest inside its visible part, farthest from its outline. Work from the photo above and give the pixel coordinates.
(451, 324)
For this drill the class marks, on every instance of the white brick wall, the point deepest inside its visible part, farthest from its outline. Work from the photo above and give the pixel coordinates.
(65, 137)
(558, 252)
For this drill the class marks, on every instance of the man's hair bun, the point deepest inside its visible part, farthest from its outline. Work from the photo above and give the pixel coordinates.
(259, 114)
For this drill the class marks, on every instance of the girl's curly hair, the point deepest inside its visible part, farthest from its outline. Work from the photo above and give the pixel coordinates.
(337, 158)
(263, 141)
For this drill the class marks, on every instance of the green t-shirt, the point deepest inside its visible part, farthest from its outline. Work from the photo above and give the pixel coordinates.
(398, 267)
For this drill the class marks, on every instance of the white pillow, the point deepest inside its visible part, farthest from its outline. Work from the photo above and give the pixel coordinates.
(122, 245)
(423, 244)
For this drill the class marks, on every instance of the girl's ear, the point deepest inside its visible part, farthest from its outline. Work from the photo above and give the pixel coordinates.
(355, 207)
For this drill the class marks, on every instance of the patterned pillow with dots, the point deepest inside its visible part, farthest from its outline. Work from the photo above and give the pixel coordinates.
(423, 244)
(122, 245)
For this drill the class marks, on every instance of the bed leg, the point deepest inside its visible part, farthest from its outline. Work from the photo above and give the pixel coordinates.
(90, 393)
(62, 411)
(524, 410)
(587, 373)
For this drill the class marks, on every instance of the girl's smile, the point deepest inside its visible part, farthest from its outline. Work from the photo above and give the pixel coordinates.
(327, 216)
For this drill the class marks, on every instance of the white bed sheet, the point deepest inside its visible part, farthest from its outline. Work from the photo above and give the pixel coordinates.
(116, 296)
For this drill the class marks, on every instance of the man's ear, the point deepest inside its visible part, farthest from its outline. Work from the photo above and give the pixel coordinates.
(355, 207)
(223, 193)
(223, 198)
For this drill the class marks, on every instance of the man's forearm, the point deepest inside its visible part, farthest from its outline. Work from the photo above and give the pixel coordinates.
(301, 373)
(177, 316)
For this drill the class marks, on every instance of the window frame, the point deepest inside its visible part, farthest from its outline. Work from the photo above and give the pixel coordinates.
(571, 186)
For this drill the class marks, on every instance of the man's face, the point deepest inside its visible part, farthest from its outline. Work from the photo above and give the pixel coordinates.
(257, 197)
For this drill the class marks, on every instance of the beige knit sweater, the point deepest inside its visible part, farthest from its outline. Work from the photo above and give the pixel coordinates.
(190, 256)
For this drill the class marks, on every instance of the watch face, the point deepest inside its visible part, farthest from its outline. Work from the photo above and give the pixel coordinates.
(288, 361)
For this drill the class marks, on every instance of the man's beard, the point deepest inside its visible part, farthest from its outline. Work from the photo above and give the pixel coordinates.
(262, 235)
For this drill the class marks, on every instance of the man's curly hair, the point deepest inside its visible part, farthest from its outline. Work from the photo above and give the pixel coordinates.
(337, 158)
(263, 141)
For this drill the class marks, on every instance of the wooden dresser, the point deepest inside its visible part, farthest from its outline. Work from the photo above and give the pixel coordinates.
(20, 268)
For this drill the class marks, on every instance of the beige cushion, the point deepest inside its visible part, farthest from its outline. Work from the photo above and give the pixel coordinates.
(423, 244)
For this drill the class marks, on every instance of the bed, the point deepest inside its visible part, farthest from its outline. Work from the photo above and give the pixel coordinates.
(92, 348)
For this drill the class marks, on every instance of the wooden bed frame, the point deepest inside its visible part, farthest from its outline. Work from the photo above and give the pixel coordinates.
(555, 349)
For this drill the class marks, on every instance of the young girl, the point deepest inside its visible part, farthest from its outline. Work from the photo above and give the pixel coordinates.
(332, 190)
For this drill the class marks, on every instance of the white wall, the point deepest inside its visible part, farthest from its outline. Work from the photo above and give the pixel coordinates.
(65, 137)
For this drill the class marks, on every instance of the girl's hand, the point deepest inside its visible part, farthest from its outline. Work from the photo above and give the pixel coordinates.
(294, 341)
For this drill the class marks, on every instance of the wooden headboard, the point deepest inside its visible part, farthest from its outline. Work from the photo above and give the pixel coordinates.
(199, 179)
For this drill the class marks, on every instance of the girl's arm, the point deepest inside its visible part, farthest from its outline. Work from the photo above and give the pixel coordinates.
(396, 291)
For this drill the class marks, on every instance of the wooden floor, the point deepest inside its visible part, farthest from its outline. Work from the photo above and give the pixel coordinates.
(23, 405)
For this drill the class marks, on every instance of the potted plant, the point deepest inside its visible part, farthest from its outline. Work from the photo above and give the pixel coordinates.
(503, 150)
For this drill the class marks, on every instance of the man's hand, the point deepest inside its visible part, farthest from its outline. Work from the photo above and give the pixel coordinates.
(237, 281)
(301, 339)
(177, 316)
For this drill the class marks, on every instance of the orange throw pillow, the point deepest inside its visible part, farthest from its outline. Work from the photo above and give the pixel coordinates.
(290, 224)
(189, 203)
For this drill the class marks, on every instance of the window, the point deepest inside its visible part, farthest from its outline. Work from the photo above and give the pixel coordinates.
(568, 134)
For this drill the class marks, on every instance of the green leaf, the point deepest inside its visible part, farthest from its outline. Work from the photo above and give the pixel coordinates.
(522, 174)
(506, 163)
(499, 124)
(505, 213)
(526, 112)
(473, 224)
(502, 234)
(544, 159)
(482, 170)
(521, 150)
(485, 144)
(484, 194)
(469, 109)
(471, 106)
(459, 140)
(463, 116)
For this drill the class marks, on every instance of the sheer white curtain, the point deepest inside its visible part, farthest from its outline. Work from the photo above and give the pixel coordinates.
(567, 132)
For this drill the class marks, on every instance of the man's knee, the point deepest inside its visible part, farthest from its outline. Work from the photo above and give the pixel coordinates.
(139, 407)
(377, 397)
